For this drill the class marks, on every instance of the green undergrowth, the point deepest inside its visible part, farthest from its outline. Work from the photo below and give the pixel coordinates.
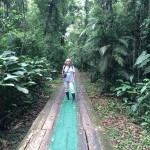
(10, 139)
(113, 115)
(53, 85)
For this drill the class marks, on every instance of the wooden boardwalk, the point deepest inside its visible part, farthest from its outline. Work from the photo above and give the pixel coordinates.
(40, 134)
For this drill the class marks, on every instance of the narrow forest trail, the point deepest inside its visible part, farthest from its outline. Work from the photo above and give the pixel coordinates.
(66, 126)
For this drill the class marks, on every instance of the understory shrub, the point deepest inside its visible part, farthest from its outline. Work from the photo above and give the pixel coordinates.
(21, 80)
(137, 96)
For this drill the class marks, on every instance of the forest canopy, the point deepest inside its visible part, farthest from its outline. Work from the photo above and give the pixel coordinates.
(110, 39)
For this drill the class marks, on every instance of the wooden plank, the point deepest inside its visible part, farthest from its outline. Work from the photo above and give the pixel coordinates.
(49, 123)
(36, 140)
(79, 121)
(83, 110)
(81, 140)
(92, 139)
(51, 118)
(26, 141)
(89, 132)
(35, 128)
(40, 120)
(46, 140)
(85, 118)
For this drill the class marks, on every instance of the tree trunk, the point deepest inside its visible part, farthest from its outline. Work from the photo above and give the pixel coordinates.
(50, 10)
(7, 8)
(109, 5)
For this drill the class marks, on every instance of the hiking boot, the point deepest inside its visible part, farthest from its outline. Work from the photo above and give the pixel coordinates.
(67, 94)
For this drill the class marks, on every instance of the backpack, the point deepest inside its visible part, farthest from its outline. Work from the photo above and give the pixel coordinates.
(69, 67)
(64, 75)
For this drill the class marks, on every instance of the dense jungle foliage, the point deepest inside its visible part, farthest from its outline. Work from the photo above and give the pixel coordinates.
(108, 38)
(111, 40)
(32, 51)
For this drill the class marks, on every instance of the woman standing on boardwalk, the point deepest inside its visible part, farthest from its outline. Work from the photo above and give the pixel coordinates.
(68, 73)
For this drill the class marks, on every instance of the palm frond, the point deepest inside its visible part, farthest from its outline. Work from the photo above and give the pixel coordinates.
(124, 42)
(144, 63)
(119, 60)
(121, 50)
(83, 32)
(103, 49)
(147, 70)
(124, 74)
(128, 38)
(103, 64)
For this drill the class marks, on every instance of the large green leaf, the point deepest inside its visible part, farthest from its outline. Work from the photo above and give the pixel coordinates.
(20, 73)
(119, 59)
(140, 99)
(143, 89)
(22, 89)
(6, 53)
(121, 50)
(134, 107)
(23, 64)
(11, 58)
(128, 37)
(143, 57)
(124, 42)
(103, 49)
(147, 70)
(6, 84)
(103, 64)
(11, 77)
(30, 83)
